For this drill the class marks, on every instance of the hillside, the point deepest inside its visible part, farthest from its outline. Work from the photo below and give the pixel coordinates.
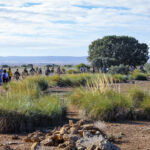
(43, 60)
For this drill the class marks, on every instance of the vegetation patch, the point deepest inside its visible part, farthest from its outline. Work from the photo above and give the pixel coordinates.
(103, 101)
(23, 106)
(137, 75)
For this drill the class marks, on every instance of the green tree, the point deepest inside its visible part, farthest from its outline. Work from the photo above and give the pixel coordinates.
(116, 50)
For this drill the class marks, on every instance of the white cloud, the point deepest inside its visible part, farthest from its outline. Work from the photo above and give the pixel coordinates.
(70, 23)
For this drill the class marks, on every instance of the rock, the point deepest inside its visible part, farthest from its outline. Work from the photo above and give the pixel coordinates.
(35, 139)
(70, 122)
(66, 137)
(106, 145)
(15, 137)
(93, 147)
(63, 130)
(57, 137)
(81, 122)
(71, 147)
(88, 126)
(87, 134)
(63, 145)
(73, 130)
(47, 142)
(81, 147)
(34, 146)
(27, 139)
(74, 138)
(97, 148)
(81, 132)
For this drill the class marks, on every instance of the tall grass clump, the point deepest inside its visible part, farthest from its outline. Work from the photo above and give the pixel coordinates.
(23, 106)
(140, 99)
(102, 100)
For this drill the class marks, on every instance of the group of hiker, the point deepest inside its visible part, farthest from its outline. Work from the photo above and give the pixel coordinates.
(7, 75)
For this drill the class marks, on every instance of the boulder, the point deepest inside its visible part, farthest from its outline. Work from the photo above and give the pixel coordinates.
(88, 126)
(35, 139)
(73, 130)
(47, 142)
(63, 145)
(92, 147)
(34, 146)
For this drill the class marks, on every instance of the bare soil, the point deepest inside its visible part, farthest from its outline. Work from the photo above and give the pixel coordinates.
(130, 135)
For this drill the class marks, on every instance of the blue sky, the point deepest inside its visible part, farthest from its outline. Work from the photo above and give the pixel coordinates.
(67, 27)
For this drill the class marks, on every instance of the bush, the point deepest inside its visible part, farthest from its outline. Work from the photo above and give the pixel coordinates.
(101, 101)
(43, 84)
(137, 96)
(137, 75)
(119, 78)
(72, 71)
(121, 69)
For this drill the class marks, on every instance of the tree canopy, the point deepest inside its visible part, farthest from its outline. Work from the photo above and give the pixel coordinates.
(116, 50)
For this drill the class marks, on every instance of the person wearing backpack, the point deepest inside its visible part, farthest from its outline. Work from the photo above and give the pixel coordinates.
(5, 76)
(17, 74)
(1, 74)
(10, 74)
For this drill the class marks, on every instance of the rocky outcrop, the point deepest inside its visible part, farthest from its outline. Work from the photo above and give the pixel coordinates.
(82, 135)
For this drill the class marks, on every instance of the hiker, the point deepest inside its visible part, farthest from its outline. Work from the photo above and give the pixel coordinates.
(17, 74)
(1, 74)
(81, 69)
(10, 74)
(25, 73)
(47, 71)
(93, 69)
(40, 71)
(85, 69)
(58, 70)
(52, 71)
(32, 71)
(5, 76)
(37, 70)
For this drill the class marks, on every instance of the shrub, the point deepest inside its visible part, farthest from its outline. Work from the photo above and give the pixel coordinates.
(72, 71)
(137, 75)
(121, 69)
(43, 84)
(101, 101)
(137, 96)
(119, 78)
